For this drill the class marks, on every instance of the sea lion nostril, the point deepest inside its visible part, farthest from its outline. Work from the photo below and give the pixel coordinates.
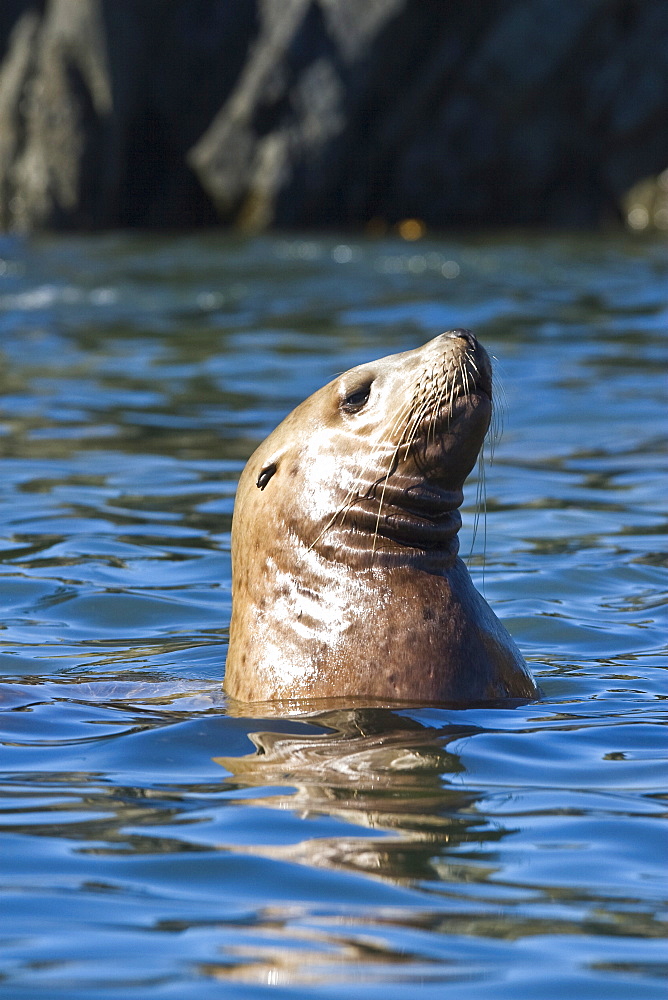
(466, 335)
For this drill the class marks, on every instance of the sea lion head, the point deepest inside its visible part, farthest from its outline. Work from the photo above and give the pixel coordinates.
(371, 467)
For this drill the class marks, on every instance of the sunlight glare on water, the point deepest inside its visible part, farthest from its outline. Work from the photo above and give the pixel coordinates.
(154, 843)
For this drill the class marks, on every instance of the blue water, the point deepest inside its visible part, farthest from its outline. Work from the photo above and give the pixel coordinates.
(156, 845)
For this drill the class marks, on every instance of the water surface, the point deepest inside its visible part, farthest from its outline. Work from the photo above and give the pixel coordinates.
(156, 844)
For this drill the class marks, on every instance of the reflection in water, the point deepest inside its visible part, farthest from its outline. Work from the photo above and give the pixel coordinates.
(309, 957)
(425, 828)
(378, 770)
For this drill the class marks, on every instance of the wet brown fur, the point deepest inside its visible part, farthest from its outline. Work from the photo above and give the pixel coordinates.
(346, 579)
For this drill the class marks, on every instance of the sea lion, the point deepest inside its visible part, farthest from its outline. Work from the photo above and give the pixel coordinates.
(345, 577)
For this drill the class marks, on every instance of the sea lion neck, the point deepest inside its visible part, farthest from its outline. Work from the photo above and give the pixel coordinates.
(391, 520)
(395, 544)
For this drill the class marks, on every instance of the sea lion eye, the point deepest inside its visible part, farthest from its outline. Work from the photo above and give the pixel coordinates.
(356, 399)
(265, 475)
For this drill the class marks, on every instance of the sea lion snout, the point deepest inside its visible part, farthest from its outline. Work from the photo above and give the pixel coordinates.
(466, 335)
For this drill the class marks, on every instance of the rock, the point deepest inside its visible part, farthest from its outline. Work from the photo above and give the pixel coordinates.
(100, 101)
(328, 112)
(646, 204)
(16, 69)
(66, 96)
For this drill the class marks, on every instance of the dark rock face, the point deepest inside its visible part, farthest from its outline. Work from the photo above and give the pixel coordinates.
(100, 101)
(328, 112)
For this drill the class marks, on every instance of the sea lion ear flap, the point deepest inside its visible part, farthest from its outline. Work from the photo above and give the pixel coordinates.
(269, 467)
(265, 475)
(271, 464)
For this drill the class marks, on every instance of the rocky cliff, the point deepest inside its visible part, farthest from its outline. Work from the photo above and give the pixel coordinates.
(328, 112)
